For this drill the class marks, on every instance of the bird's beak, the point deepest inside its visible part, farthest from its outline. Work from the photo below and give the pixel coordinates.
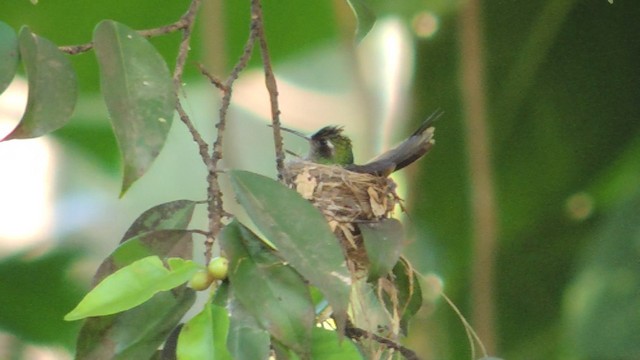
(294, 132)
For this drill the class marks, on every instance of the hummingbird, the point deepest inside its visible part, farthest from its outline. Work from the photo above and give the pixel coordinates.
(329, 146)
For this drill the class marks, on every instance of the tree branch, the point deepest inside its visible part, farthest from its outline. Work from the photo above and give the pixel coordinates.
(183, 51)
(272, 87)
(355, 334)
(214, 193)
(186, 21)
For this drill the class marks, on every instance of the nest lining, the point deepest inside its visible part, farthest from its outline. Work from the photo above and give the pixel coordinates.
(342, 195)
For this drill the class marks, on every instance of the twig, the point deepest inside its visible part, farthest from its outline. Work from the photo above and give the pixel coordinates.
(272, 87)
(214, 193)
(181, 24)
(355, 333)
(212, 79)
(183, 51)
(186, 24)
(201, 232)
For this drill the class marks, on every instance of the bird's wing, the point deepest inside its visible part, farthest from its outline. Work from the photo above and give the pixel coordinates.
(405, 153)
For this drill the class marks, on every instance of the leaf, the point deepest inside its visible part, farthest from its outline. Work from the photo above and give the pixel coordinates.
(114, 336)
(246, 339)
(204, 336)
(138, 91)
(327, 345)
(196, 337)
(365, 17)
(52, 87)
(171, 215)
(409, 292)
(136, 333)
(132, 286)
(300, 233)
(383, 242)
(8, 55)
(269, 290)
(220, 324)
(164, 243)
(147, 236)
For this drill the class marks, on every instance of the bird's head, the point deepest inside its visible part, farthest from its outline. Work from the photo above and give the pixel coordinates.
(330, 146)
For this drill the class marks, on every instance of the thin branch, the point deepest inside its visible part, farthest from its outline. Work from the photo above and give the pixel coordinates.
(272, 87)
(201, 232)
(185, 21)
(227, 89)
(189, 20)
(183, 51)
(212, 78)
(214, 192)
(355, 333)
(203, 148)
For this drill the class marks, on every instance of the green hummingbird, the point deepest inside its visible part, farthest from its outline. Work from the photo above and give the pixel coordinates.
(329, 146)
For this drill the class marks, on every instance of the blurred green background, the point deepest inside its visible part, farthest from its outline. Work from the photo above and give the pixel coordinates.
(558, 92)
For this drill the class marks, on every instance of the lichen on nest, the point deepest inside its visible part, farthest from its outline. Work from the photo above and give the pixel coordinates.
(344, 198)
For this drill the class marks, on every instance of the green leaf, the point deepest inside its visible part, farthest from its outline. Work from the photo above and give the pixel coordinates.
(114, 336)
(164, 243)
(52, 87)
(136, 333)
(8, 55)
(365, 17)
(268, 289)
(204, 336)
(300, 233)
(132, 286)
(247, 340)
(138, 91)
(171, 215)
(328, 346)
(383, 242)
(220, 323)
(409, 292)
(153, 233)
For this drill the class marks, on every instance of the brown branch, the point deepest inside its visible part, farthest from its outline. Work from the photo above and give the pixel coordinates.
(212, 78)
(189, 19)
(214, 192)
(355, 334)
(201, 232)
(186, 24)
(272, 87)
(185, 21)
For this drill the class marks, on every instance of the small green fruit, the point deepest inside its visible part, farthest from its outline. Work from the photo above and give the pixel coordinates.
(200, 280)
(218, 268)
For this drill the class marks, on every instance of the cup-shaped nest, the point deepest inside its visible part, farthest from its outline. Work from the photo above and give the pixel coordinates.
(344, 198)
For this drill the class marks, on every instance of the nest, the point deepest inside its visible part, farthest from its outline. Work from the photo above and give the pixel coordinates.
(344, 198)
